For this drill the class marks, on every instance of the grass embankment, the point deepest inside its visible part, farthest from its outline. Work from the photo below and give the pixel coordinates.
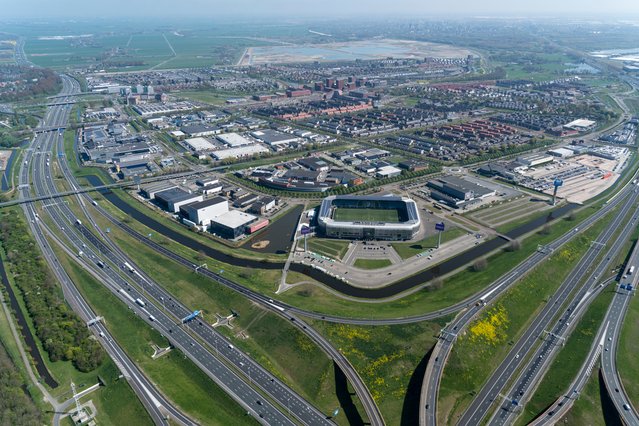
(588, 408)
(335, 249)
(177, 377)
(270, 339)
(569, 360)
(485, 341)
(386, 358)
(407, 250)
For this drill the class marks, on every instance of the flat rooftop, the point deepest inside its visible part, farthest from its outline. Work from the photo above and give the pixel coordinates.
(234, 219)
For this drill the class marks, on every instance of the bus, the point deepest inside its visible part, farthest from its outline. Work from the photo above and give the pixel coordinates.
(140, 302)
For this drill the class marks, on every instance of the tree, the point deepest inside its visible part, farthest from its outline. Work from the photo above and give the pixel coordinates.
(435, 284)
(514, 245)
(480, 265)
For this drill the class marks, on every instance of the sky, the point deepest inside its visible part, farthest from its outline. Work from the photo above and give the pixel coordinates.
(308, 8)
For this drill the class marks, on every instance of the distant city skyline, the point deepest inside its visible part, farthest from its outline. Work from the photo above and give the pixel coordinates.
(291, 8)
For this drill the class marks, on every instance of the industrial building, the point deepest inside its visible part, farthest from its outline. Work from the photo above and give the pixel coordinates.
(457, 192)
(240, 151)
(274, 138)
(533, 160)
(234, 140)
(151, 189)
(172, 199)
(199, 144)
(232, 224)
(199, 130)
(201, 213)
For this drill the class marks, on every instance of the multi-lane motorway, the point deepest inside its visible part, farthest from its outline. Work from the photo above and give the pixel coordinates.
(80, 237)
(439, 355)
(492, 390)
(155, 403)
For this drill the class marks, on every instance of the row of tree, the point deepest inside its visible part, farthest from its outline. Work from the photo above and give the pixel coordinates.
(16, 407)
(63, 334)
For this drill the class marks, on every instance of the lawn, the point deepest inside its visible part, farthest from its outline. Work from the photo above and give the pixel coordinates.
(466, 369)
(372, 263)
(342, 214)
(390, 361)
(407, 250)
(327, 247)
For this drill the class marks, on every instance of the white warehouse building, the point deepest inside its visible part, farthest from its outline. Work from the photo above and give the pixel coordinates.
(203, 212)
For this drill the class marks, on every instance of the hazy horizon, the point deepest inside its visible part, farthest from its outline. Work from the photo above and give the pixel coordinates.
(327, 9)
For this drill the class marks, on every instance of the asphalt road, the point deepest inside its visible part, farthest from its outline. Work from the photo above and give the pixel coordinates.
(252, 401)
(613, 324)
(155, 403)
(492, 389)
(255, 374)
(472, 306)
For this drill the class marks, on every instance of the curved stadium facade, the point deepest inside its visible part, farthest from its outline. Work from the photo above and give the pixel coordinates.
(369, 217)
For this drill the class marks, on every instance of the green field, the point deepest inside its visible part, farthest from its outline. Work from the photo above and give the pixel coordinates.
(331, 248)
(367, 215)
(372, 263)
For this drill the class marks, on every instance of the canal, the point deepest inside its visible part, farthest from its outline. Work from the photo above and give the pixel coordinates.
(390, 290)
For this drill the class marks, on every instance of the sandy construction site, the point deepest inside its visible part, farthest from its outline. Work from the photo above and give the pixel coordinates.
(365, 49)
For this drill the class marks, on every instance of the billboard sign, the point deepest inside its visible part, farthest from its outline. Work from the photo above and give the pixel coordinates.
(439, 226)
(305, 230)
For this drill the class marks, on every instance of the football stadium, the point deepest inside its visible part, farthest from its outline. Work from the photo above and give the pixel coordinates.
(369, 217)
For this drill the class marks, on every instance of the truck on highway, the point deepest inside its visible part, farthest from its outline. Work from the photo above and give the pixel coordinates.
(631, 270)
(129, 267)
(140, 302)
(100, 264)
(151, 317)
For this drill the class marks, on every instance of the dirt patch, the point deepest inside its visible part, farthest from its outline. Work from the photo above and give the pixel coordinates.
(260, 244)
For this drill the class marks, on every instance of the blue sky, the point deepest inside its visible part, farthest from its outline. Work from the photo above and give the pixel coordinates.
(321, 8)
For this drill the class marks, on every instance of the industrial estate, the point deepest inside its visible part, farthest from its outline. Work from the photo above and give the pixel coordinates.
(411, 221)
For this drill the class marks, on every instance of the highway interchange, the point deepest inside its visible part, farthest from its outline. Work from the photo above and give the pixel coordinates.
(238, 374)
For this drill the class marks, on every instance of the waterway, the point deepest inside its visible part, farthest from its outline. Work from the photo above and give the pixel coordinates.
(5, 186)
(29, 340)
(390, 290)
(279, 234)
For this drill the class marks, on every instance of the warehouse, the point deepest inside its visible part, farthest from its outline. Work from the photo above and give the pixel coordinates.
(233, 139)
(456, 191)
(241, 151)
(273, 137)
(232, 225)
(173, 198)
(198, 130)
(203, 212)
(533, 160)
(151, 189)
(199, 144)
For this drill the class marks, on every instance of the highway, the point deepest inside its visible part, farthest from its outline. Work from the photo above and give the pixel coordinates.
(220, 372)
(492, 389)
(545, 353)
(155, 403)
(614, 321)
(474, 305)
